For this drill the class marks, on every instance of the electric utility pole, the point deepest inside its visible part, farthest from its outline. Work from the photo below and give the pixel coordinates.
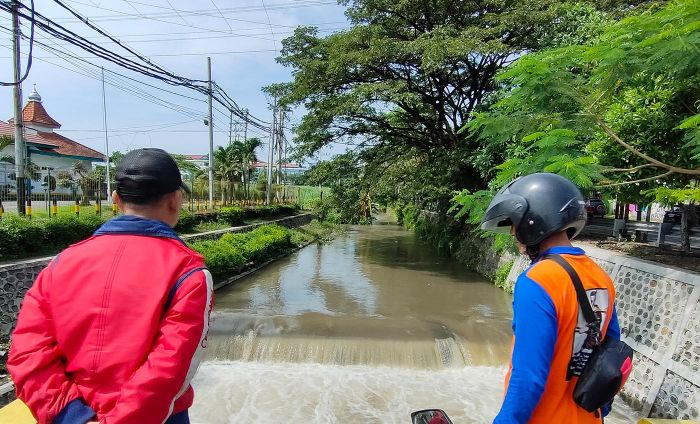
(280, 140)
(230, 127)
(270, 152)
(245, 127)
(104, 113)
(20, 149)
(211, 139)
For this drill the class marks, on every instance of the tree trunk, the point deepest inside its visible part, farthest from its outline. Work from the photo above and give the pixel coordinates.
(639, 213)
(627, 211)
(685, 234)
(648, 217)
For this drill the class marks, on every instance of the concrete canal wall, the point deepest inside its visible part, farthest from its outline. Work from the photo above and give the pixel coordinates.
(16, 278)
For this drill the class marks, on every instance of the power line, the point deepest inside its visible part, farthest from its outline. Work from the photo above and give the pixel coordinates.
(139, 128)
(190, 54)
(274, 41)
(124, 16)
(176, 11)
(31, 46)
(264, 26)
(223, 35)
(145, 66)
(222, 15)
(211, 13)
(89, 73)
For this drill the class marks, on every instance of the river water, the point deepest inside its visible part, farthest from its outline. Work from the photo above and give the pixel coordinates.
(364, 329)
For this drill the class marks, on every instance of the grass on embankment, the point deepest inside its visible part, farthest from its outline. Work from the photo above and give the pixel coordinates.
(235, 253)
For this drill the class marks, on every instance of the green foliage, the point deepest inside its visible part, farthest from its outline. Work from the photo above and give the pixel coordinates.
(471, 206)
(502, 275)
(235, 252)
(671, 197)
(187, 221)
(22, 237)
(232, 216)
(315, 230)
(569, 109)
(406, 215)
(503, 243)
(230, 254)
(350, 199)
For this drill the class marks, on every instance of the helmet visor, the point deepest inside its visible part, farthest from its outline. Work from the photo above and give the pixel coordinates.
(506, 210)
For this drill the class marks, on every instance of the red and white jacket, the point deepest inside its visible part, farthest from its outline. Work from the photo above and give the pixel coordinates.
(115, 326)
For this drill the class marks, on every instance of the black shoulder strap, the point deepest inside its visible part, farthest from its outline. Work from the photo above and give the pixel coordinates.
(580, 291)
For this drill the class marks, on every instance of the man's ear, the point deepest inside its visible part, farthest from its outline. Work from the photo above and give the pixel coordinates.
(118, 200)
(175, 201)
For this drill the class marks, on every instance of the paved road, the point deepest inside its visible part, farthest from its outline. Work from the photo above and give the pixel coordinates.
(604, 226)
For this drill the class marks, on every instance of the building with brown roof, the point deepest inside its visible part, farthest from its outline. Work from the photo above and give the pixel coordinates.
(49, 151)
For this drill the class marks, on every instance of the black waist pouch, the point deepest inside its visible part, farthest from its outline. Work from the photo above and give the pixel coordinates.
(609, 364)
(604, 375)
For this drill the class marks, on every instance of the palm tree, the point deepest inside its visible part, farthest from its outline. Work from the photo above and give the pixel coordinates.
(226, 168)
(248, 158)
(6, 140)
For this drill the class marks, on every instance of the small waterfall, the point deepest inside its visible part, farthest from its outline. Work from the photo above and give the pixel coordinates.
(434, 354)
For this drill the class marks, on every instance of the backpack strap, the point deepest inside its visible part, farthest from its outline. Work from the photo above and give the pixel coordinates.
(583, 301)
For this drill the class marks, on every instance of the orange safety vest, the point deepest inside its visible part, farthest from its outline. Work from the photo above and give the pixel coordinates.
(557, 403)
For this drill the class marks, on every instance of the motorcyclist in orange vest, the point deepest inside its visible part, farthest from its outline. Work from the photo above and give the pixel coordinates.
(544, 212)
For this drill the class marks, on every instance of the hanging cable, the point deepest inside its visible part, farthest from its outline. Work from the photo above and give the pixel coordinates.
(31, 45)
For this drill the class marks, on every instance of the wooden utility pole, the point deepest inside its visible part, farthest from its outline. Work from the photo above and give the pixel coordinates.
(20, 149)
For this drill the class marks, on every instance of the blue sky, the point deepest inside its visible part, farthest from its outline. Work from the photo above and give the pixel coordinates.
(243, 37)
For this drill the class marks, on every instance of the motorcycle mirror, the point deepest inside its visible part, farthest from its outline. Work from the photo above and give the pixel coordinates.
(430, 416)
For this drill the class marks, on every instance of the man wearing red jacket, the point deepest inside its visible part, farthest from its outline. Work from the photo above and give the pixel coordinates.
(114, 328)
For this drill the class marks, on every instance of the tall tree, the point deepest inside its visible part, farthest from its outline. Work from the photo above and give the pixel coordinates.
(620, 112)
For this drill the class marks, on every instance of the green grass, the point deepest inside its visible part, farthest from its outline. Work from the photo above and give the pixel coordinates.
(39, 210)
(210, 226)
(234, 253)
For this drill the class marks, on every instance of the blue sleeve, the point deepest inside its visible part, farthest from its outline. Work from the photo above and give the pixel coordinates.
(614, 332)
(535, 328)
(76, 412)
(614, 325)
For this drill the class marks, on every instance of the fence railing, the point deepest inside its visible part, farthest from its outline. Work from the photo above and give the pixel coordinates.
(61, 191)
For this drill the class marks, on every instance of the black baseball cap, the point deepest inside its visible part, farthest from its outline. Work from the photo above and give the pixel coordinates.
(146, 173)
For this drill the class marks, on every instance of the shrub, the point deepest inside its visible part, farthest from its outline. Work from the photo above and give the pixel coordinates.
(21, 237)
(65, 230)
(186, 222)
(222, 260)
(232, 253)
(264, 243)
(232, 216)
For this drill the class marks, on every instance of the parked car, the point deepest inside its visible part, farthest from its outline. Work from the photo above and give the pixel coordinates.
(674, 215)
(595, 207)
